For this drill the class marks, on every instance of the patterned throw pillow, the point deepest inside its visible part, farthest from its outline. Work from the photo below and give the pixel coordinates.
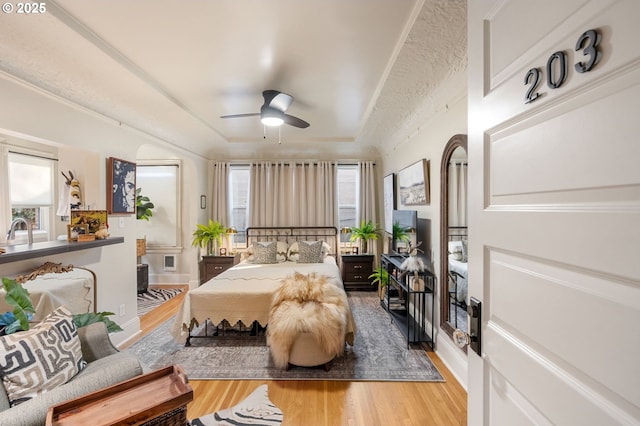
(42, 358)
(281, 251)
(310, 252)
(264, 253)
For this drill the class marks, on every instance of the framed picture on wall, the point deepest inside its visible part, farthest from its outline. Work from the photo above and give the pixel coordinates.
(92, 218)
(389, 193)
(121, 186)
(413, 184)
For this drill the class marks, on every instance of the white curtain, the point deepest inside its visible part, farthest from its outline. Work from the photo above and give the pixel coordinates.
(457, 194)
(367, 200)
(366, 192)
(284, 194)
(219, 189)
(5, 195)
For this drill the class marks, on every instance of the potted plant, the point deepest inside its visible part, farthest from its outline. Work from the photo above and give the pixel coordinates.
(400, 234)
(367, 231)
(380, 276)
(209, 236)
(143, 206)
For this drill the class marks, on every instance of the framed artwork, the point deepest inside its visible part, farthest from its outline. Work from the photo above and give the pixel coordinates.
(413, 184)
(74, 230)
(121, 186)
(389, 193)
(92, 218)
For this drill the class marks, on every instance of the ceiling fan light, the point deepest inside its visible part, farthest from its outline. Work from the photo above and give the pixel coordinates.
(272, 121)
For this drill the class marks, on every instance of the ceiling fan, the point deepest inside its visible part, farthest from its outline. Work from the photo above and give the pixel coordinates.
(272, 112)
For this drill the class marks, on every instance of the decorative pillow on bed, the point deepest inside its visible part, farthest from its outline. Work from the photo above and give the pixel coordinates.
(310, 252)
(293, 253)
(281, 251)
(42, 358)
(265, 253)
(464, 251)
(455, 250)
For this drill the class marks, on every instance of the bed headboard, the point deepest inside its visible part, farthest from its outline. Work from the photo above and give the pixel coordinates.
(290, 234)
(457, 233)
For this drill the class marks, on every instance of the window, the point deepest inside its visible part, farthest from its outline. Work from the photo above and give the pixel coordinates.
(160, 181)
(347, 198)
(31, 188)
(239, 200)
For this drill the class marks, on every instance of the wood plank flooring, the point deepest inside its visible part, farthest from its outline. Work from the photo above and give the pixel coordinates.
(332, 403)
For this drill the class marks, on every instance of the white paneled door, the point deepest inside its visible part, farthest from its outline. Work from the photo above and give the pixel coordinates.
(554, 211)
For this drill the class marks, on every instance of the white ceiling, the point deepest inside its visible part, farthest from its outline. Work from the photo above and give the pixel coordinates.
(359, 70)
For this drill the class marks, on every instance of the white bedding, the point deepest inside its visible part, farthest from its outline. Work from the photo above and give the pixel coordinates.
(242, 293)
(460, 268)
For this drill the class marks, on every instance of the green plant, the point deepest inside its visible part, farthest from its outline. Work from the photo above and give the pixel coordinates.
(23, 310)
(207, 235)
(380, 276)
(399, 234)
(143, 206)
(367, 231)
(81, 320)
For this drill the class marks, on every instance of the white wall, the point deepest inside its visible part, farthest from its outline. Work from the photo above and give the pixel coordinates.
(448, 117)
(85, 139)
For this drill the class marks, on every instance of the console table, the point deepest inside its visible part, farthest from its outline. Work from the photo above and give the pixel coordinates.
(411, 307)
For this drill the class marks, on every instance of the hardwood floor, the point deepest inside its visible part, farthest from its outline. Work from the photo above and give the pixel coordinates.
(332, 403)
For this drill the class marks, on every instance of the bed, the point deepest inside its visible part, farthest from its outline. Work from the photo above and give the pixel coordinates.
(458, 266)
(243, 293)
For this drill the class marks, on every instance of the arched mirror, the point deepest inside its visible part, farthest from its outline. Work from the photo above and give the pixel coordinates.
(453, 236)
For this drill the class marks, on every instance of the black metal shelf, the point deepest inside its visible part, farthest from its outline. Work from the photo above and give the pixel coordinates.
(409, 307)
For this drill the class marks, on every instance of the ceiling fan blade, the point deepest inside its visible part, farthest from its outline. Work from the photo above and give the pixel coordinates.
(250, 114)
(277, 100)
(295, 121)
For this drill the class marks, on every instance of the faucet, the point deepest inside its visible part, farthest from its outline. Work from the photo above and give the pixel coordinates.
(11, 234)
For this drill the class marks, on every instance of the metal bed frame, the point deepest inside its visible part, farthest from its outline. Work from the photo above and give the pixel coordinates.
(288, 234)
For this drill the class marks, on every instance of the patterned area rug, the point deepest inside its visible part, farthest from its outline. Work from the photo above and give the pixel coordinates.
(155, 297)
(380, 353)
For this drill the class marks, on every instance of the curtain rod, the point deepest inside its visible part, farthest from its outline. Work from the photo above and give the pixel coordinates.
(297, 163)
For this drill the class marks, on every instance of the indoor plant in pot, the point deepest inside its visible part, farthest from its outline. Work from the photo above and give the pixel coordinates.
(400, 234)
(380, 276)
(367, 231)
(209, 236)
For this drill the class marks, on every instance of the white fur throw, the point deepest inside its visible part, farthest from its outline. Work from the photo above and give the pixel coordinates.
(307, 303)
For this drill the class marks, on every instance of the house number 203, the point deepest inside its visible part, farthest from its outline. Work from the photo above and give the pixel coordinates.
(556, 69)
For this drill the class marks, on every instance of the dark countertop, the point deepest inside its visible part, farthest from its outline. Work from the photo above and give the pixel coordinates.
(30, 251)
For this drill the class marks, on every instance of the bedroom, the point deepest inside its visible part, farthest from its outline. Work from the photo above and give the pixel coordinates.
(403, 131)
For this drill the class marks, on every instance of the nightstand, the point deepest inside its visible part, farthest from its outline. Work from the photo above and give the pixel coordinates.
(211, 266)
(356, 269)
(143, 277)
